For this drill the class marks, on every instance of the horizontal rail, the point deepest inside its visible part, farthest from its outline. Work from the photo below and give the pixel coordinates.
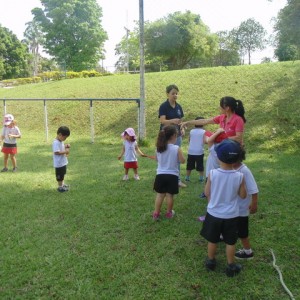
(71, 99)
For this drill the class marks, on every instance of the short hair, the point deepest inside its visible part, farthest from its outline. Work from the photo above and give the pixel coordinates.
(170, 87)
(63, 130)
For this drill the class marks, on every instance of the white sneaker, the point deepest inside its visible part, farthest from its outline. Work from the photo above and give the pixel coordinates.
(125, 177)
(181, 184)
(136, 177)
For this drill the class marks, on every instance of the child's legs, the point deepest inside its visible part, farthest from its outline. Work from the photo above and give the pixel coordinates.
(5, 157)
(126, 171)
(170, 202)
(230, 251)
(60, 175)
(158, 201)
(13, 160)
(188, 172)
(246, 243)
(211, 250)
(135, 171)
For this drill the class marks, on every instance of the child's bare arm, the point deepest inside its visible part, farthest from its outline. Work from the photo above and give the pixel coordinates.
(121, 154)
(207, 188)
(242, 190)
(180, 156)
(253, 205)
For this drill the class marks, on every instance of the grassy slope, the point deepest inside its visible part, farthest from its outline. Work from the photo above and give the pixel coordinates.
(99, 238)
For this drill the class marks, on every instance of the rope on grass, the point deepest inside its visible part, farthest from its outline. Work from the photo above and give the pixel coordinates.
(280, 276)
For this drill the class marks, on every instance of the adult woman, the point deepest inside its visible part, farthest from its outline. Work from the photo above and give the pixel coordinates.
(231, 119)
(171, 113)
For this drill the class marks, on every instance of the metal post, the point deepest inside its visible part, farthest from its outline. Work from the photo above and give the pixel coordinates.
(4, 106)
(142, 119)
(46, 120)
(92, 121)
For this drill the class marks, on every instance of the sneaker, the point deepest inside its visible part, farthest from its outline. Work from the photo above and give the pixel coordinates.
(233, 269)
(210, 264)
(62, 189)
(66, 186)
(4, 170)
(187, 178)
(201, 219)
(125, 177)
(155, 216)
(170, 214)
(15, 169)
(181, 184)
(136, 177)
(201, 179)
(241, 254)
(202, 195)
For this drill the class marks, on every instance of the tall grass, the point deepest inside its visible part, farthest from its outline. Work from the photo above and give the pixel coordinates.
(98, 241)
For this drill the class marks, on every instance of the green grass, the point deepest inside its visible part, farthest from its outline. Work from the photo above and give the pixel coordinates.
(98, 241)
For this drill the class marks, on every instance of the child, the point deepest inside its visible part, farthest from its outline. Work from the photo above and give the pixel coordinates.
(129, 150)
(223, 188)
(10, 133)
(249, 205)
(60, 160)
(166, 181)
(196, 152)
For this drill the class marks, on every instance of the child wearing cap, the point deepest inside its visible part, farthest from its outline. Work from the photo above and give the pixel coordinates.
(224, 188)
(196, 152)
(129, 150)
(10, 133)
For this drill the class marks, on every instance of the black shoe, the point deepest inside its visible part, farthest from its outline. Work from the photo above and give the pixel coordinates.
(202, 195)
(210, 264)
(4, 170)
(241, 254)
(233, 269)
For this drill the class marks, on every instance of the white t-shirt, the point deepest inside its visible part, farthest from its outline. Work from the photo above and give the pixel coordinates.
(196, 141)
(224, 197)
(130, 151)
(168, 161)
(212, 161)
(6, 131)
(59, 160)
(251, 188)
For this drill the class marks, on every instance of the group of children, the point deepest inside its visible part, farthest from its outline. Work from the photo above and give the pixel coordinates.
(230, 188)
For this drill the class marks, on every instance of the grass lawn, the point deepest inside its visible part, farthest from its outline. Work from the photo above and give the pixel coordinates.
(98, 241)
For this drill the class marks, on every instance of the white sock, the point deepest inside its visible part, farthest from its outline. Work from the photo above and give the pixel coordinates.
(248, 251)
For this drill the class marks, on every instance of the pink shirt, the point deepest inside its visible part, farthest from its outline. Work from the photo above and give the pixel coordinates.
(234, 125)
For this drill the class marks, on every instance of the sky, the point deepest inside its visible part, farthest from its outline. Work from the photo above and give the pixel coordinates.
(117, 14)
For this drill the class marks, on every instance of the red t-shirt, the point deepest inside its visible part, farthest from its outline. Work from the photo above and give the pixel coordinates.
(234, 125)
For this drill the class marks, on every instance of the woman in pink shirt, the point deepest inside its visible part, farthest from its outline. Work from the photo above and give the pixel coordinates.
(231, 119)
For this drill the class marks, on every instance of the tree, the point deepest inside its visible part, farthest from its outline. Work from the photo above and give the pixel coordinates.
(287, 29)
(73, 32)
(13, 56)
(227, 54)
(179, 38)
(34, 39)
(250, 36)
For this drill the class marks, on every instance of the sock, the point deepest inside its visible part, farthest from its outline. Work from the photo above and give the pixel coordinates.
(248, 251)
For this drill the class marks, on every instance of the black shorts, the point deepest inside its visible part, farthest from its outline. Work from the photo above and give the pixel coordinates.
(243, 227)
(195, 162)
(166, 183)
(213, 227)
(60, 173)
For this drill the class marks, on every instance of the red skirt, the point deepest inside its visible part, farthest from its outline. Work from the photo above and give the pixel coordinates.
(130, 165)
(9, 148)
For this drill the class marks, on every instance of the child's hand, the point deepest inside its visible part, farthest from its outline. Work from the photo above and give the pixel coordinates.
(119, 157)
(253, 208)
(68, 146)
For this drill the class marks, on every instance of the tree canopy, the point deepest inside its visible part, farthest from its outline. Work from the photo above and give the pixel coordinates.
(13, 56)
(287, 30)
(72, 31)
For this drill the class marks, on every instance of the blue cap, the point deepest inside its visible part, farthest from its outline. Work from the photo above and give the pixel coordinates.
(228, 151)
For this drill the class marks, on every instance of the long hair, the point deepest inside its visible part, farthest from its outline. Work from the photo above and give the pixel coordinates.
(235, 105)
(164, 136)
